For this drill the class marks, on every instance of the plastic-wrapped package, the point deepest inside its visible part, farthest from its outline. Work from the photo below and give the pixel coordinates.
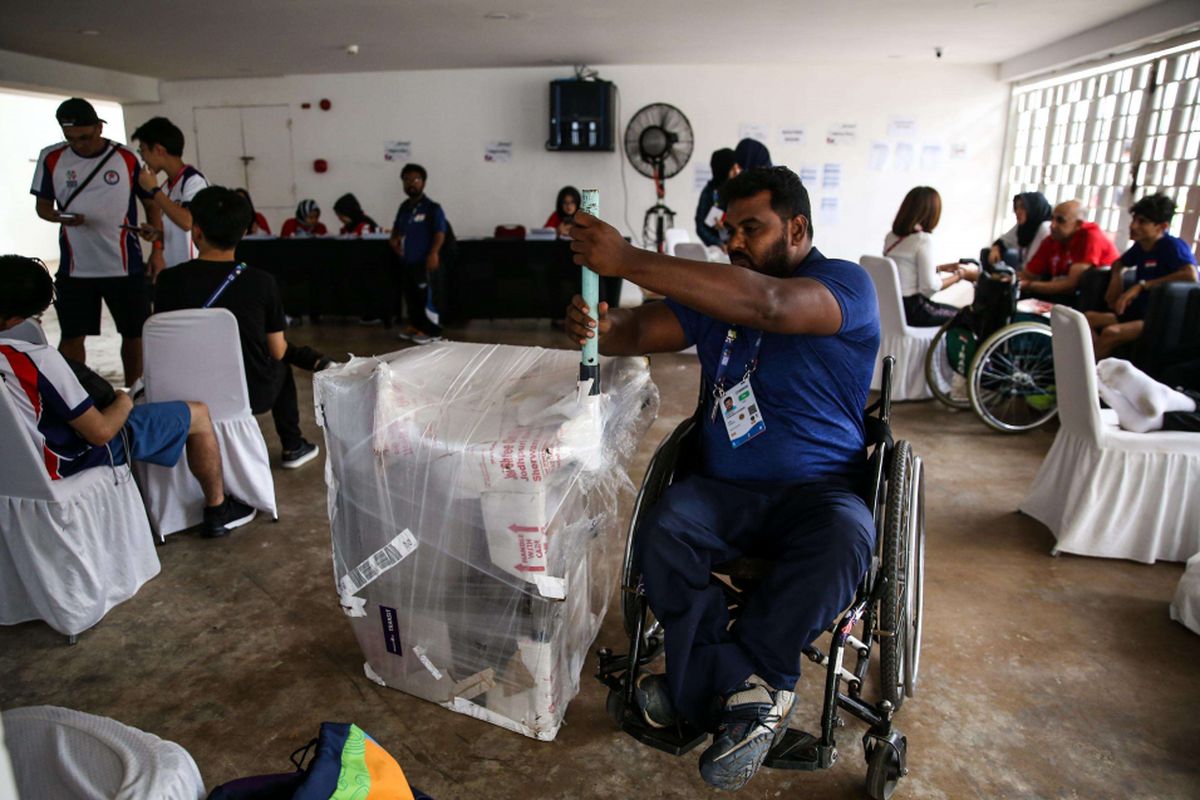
(474, 506)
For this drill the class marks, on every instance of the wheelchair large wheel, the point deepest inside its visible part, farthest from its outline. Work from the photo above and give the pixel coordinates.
(913, 575)
(939, 372)
(894, 605)
(1011, 381)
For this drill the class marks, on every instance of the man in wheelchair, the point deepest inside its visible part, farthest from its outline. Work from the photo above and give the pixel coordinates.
(787, 341)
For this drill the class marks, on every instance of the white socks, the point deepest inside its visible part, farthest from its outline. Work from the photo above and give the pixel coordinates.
(1139, 400)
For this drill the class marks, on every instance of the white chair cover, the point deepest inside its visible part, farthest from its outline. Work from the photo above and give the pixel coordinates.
(691, 250)
(70, 549)
(906, 344)
(674, 236)
(1185, 609)
(195, 354)
(1108, 492)
(69, 755)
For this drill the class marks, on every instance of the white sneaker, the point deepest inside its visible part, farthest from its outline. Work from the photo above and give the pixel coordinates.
(426, 338)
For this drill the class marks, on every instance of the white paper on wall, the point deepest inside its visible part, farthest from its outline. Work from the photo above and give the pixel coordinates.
(809, 174)
(397, 150)
(499, 152)
(831, 177)
(931, 157)
(793, 135)
(902, 128)
(842, 134)
(902, 157)
(877, 157)
(754, 130)
(701, 175)
(828, 211)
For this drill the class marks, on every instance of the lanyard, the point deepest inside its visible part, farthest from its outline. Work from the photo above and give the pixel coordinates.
(230, 278)
(723, 367)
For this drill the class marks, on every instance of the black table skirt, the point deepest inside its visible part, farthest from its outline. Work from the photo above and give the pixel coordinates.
(489, 279)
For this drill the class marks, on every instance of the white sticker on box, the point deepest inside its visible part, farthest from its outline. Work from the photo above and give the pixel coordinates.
(380, 562)
(371, 674)
(551, 587)
(419, 652)
(353, 606)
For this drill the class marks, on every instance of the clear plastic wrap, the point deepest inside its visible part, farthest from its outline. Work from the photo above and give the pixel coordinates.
(474, 497)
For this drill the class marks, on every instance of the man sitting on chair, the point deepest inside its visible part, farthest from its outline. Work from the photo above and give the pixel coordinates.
(1158, 258)
(1073, 247)
(791, 334)
(220, 217)
(73, 434)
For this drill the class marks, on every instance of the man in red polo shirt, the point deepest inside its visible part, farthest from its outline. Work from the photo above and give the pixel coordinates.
(1073, 247)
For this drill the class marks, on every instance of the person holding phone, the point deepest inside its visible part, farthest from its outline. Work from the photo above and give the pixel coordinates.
(88, 186)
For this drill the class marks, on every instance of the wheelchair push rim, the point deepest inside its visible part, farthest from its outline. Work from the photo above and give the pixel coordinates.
(1011, 381)
(939, 372)
(914, 580)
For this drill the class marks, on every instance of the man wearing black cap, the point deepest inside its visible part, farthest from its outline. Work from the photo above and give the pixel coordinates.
(787, 341)
(88, 186)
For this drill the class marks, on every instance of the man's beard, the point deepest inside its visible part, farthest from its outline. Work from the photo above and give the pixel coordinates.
(775, 262)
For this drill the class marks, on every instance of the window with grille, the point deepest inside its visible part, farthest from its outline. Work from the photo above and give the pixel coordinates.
(1107, 136)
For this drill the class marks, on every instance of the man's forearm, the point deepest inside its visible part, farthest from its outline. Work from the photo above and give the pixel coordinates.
(435, 247)
(737, 296)
(622, 338)
(173, 211)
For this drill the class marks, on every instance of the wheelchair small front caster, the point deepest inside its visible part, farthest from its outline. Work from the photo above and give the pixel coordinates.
(615, 705)
(885, 767)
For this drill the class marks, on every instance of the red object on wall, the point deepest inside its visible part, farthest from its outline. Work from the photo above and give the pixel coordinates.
(320, 165)
(325, 104)
(306, 105)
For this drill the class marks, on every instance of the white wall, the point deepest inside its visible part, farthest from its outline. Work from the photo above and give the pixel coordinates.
(29, 125)
(450, 114)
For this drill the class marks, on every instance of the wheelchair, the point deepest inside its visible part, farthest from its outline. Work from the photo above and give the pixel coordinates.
(1002, 354)
(886, 612)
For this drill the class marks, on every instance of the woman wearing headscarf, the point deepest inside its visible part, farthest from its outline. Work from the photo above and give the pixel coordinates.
(751, 154)
(1020, 242)
(355, 221)
(565, 207)
(258, 223)
(709, 230)
(307, 221)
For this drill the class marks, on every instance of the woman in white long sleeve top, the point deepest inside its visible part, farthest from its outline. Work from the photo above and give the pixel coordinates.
(910, 245)
(1020, 242)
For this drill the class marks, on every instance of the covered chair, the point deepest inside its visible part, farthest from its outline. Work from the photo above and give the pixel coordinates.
(1185, 609)
(70, 549)
(1107, 492)
(66, 754)
(908, 345)
(195, 354)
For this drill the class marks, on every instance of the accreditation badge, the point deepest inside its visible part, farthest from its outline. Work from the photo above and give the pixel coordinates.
(743, 420)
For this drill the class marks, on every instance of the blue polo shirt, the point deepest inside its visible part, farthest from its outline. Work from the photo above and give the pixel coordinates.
(811, 390)
(418, 222)
(1168, 255)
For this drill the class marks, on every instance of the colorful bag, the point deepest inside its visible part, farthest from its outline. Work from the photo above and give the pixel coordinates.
(348, 765)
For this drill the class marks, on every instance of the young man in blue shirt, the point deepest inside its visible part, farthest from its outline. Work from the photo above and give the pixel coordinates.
(787, 341)
(417, 237)
(1158, 257)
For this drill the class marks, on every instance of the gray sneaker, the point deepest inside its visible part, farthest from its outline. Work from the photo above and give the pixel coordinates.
(426, 338)
(753, 717)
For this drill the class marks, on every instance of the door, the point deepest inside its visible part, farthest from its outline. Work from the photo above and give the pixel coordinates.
(251, 147)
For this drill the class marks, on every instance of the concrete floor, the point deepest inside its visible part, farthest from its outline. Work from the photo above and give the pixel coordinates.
(1041, 677)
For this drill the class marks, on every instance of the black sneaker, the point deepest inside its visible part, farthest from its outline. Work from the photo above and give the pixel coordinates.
(303, 454)
(654, 700)
(753, 717)
(220, 520)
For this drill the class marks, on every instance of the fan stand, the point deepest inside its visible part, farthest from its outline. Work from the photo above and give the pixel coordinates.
(663, 216)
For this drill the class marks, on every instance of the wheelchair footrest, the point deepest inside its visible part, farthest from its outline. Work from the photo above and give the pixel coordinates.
(800, 750)
(676, 741)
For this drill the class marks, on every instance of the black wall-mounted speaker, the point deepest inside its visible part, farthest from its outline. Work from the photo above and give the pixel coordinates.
(581, 115)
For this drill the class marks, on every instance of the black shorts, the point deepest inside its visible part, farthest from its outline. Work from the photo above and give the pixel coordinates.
(77, 302)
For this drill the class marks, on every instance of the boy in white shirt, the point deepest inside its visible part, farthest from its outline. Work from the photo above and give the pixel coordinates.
(160, 144)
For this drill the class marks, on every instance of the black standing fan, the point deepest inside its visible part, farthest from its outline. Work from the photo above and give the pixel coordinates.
(658, 142)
